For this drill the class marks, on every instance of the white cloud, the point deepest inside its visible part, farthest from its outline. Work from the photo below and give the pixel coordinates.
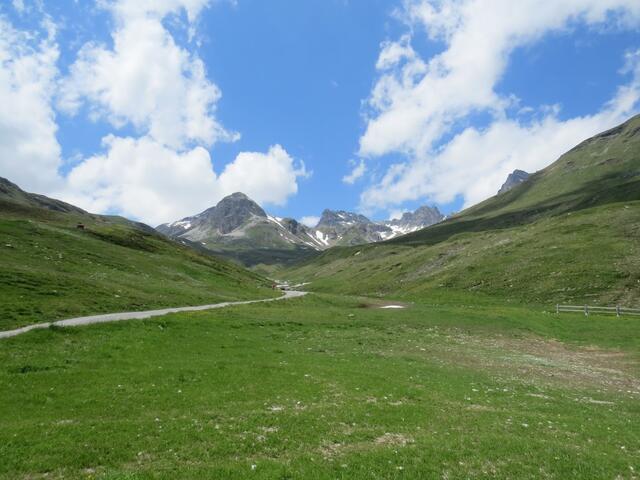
(310, 221)
(392, 53)
(144, 179)
(29, 150)
(396, 214)
(19, 5)
(476, 162)
(125, 10)
(266, 177)
(357, 172)
(416, 102)
(146, 79)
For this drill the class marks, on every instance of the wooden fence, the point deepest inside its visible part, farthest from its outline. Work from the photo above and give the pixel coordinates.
(586, 309)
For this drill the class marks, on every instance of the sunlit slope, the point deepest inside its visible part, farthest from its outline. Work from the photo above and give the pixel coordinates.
(570, 233)
(51, 269)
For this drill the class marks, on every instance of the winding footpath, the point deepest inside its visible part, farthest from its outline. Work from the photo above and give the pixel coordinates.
(118, 317)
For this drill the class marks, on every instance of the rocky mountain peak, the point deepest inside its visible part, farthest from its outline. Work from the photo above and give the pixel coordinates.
(234, 211)
(6, 186)
(423, 216)
(332, 218)
(293, 226)
(240, 203)
(514, 178)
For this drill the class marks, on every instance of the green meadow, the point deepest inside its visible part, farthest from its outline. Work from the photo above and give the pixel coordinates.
(326, 387)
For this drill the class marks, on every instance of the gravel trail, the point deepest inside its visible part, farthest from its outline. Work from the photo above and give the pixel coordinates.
(118, 317)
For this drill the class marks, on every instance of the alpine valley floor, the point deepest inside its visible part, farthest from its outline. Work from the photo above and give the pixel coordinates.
(326, 386)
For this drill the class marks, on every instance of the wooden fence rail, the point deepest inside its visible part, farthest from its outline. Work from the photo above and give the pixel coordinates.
(586, 309)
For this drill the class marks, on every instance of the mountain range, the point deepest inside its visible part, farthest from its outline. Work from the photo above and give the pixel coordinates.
(240, 228)
(568, 232)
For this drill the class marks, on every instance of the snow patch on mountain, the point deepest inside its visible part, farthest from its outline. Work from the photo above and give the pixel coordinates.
(276, 220)
(182, 223)
(322, 237)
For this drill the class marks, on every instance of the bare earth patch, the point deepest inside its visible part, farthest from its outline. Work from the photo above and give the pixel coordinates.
(536, 360)
(387, 440)
(393, 440)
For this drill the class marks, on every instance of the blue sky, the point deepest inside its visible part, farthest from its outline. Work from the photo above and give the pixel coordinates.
(155, 110)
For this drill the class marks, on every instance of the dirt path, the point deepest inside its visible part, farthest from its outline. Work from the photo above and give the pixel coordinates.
(117, 317)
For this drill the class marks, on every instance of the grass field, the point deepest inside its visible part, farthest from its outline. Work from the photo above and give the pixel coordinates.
(326, 387)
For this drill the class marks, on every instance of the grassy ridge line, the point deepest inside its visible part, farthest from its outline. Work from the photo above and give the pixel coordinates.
(601, 170)
(51, 270)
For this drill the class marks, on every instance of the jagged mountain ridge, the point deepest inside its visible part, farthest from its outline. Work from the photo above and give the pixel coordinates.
(346, 228)
(237, 226)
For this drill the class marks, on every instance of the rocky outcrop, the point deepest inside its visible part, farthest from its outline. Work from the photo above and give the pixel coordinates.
(514, 179)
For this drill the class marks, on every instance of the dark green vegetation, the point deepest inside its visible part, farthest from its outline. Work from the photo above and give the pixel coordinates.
(264, 258)
(322, 387)
(571, 233)
(52, 270)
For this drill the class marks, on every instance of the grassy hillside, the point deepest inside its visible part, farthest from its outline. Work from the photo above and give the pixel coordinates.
(53, 270)
(571, 233)
(324, 388)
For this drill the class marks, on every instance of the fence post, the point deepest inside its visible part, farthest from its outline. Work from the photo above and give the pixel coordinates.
(617, 310)
(557, 308)
(586, 310)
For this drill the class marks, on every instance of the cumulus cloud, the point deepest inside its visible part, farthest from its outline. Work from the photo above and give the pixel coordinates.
(19, 5)
(125, 10)
(476, 162)
(392, 53)
(266, 177)
(150, 82)
(396, 214)
(310, 221)
(359, 169)
(142, 178)
(417, 103)
(29, 150)
(146, 79)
